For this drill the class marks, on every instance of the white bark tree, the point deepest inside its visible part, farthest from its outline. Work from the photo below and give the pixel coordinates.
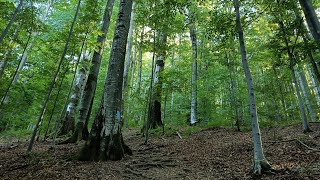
(260, 162)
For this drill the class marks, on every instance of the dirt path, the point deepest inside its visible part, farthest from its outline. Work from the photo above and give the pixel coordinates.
(211, 154)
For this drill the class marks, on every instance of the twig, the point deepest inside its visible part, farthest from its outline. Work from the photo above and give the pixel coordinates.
(179, 135)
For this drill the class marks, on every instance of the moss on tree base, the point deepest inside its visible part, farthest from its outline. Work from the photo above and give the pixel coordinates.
(107, 148)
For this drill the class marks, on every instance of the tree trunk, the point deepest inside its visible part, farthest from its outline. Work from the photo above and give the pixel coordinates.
(90, 88)
(193, 113)
(105, 140)
(14, 79)
(294, 79)
(306, 93)
(140, 61)
(69, 119)
(127, 65)
(54, 107)
(233, 103)
(154, 119)
(312, 19)
(4, 33)
(315, 85)
(260, 162)
(53, 80)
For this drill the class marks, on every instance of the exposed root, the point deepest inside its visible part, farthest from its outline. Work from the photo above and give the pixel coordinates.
(105, 149)
(262, 167)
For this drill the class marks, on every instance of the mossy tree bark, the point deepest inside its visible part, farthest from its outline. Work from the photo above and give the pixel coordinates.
(154, 119)
(105, 139)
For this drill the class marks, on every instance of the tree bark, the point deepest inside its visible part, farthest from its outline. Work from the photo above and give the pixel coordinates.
(193, 112)
(315, 85)
(4, 33)
(69, 118)
(306, 93)
(260, 162)
(127, 64)
(105, 140)
(90, 88)
(154, 119)
(312, 19)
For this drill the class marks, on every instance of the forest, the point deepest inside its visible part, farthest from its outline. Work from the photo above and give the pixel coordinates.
(159, 89)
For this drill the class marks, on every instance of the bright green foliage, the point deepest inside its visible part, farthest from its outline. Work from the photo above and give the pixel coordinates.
(222, 93)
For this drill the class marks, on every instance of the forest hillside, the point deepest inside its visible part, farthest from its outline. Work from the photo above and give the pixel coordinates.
(168, 89)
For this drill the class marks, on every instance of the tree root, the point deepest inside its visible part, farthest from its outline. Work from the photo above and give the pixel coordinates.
(262, 167)
(108, 148)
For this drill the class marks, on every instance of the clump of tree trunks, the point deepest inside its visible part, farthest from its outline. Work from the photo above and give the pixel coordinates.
(105, 140)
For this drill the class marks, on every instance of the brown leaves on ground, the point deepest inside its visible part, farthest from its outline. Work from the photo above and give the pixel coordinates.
(216, 153)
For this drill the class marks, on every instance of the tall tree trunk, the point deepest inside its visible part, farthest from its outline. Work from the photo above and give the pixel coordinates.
(105, 140)
(233, 103)
(154, 119)
(294, 79)
(306, 92)
(193, 37)
(312, 19)
(260, 162)
(54, 106)
(315, 85)
(14, 80)
(127, 65)
(140, 61)
(69, 118)
(90, 88)
(4, 33)
(53, 80)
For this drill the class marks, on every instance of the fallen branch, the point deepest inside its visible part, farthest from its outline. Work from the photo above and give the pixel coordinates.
(179, 135)
(295, 139)
(310, 148)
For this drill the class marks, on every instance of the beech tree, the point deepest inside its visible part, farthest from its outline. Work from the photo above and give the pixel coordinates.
(105, 139)
(260, 163)
(81, 129)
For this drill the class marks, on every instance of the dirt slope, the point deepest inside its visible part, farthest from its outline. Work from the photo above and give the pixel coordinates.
(217, 153)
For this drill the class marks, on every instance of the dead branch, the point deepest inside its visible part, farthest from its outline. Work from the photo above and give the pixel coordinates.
(179, 135)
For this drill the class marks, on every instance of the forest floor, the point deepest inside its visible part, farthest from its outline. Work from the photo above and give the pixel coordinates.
(216, 153)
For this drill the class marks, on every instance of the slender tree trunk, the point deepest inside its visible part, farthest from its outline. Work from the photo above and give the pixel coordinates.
(315, 85)
(140, 61)
(90, 88)
(306, 93)
(53, 80)
(13, 80)
(279, 85)
(4, 33)
(54, 107)
(69, 118)
(294, 79)
(193, 37)
(105, 140)
(260, 162)
(127, 65)
(232, 94)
